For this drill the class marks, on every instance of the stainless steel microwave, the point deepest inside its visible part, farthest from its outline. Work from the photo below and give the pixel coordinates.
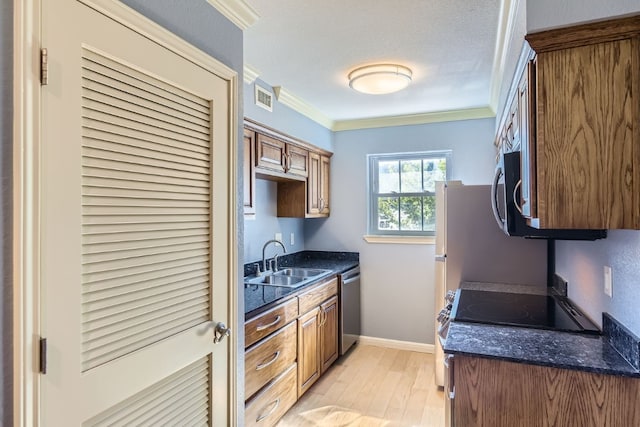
(505, 195)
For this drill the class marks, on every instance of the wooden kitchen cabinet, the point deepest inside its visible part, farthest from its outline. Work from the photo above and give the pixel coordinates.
(249, 177)
(317, 333)
(580, 136)
(318, 185)
(281, 159)
(497, 393)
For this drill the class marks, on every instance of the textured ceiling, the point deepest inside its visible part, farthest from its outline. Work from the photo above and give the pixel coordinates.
(308, 47)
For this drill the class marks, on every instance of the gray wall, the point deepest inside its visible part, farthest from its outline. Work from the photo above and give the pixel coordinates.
(582, 263)
(6, 106)
(397, 280)
(265, 224)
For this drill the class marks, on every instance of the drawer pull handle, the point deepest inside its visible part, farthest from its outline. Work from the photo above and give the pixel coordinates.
(263, 327)
(273, 359)
(275, 404)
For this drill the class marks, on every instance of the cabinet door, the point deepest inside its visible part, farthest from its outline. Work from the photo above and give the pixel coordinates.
(308, 354)
(527, 145)
(270, 153)
(329, 333)
(313, 184)
(324, 184)
(249, 195)
(297, 161)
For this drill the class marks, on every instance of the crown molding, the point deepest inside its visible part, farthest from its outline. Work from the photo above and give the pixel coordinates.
(237, 11)
(298, 104)
(249, 74)
(508, 10)
(415, 119)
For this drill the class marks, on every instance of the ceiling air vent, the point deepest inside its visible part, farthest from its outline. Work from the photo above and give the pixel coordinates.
(264, 98)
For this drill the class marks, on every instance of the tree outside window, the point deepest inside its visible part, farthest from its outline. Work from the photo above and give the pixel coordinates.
(402, 192)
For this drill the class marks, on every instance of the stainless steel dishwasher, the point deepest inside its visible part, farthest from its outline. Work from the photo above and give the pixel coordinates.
(349, 309)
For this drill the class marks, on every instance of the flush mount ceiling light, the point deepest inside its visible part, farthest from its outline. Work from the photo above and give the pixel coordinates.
(379, 79)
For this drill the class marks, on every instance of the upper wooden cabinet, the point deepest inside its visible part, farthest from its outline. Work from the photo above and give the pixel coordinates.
(578, 126)
(301, 170)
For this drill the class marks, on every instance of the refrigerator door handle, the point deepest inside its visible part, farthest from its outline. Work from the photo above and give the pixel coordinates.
(441, 258)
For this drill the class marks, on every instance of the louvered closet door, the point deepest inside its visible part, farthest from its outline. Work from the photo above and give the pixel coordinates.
(134, 226)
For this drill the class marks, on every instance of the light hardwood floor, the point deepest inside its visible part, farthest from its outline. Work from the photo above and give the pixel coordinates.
(372, 387)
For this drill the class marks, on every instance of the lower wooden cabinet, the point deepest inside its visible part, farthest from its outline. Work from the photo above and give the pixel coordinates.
(285, 354)
(268, 406)
(496, 393)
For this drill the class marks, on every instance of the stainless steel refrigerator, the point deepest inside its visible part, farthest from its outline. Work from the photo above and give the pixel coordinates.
(471, 247)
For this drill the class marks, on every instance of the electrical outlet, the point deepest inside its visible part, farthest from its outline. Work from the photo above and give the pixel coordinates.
(608, 281)
(279, 237)
(293, 239)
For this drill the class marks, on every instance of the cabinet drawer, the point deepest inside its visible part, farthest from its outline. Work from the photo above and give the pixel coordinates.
(269, 358)
(270, 321)
(317, 295)
(272, 403)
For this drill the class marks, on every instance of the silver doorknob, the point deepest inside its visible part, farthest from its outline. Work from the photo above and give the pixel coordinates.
(220, 332)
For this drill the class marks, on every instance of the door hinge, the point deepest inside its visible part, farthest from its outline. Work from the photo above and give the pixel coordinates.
(43, 355)
(44, 66)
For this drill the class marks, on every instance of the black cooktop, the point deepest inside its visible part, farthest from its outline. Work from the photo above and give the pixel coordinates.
(535, 311)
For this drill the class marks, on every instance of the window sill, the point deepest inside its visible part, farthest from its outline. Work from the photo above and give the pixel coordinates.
(402, 240)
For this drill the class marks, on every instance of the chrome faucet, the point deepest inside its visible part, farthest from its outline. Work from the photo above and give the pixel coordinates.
(264, 262)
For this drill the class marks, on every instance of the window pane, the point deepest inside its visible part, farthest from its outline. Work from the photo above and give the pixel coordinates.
(388, 177)
(411, 213)
(429, 212)
(387, 213)
(411, 177)
(435, 169)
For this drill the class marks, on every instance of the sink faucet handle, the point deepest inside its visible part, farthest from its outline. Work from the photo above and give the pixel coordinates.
(275, 263)
(258, 272)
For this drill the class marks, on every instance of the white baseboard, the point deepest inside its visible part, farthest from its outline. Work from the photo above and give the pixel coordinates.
(400, 345)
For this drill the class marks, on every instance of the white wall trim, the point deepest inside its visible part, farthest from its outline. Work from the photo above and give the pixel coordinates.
(298, 104)
(249, 74)
(237, 11)
(415, 119)
(402, 240)
(400, 345)
(506, 22)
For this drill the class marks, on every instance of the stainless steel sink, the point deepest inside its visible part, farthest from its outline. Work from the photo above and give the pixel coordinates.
(288, 277)
(301, 272)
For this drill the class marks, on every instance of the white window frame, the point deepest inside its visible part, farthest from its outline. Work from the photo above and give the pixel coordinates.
(375, 234)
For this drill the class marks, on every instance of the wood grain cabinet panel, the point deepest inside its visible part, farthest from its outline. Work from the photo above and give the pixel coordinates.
(270, 321)
(583, 153)
(316, 295)
(308, 355)
(268, 406)
(496, 393)
(268, 358)
(270, 154)
(328, 333)
(249, 176)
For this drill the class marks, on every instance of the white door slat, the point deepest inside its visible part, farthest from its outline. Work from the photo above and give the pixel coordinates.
(125, 101)
(132, 121)
(97, 358)
(131, 161)
(142, 194)
(93, 173)
(154, 172)
(121, 285)
(154, 291)
(143, 252)
(119, 228)
(91, 220)
(110, 114)
(133, 329)
(91, 181)
(144, 287)
(151, 244)
(117, 70)
(128, 410)
(92, 210)
(152, 143)
(135, 271)
(155, 407)
(123, 75)
(183, 411)
(155, 235)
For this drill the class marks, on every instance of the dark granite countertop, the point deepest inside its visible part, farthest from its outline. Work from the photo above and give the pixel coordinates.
(557, 349)
(259, 298)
